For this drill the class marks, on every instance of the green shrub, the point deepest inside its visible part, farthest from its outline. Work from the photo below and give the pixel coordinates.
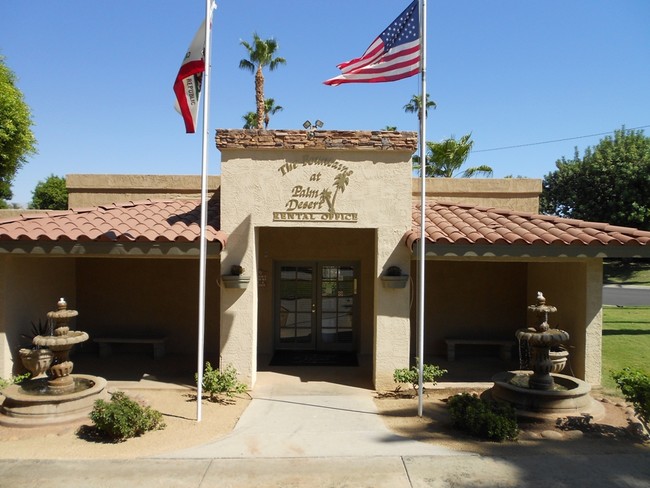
(122, 418)
(635, 386)
(495, 421)
(430, 374)
(13, 380)
(216, 382)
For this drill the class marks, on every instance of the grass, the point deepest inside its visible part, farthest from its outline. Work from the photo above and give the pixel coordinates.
(626, 341)
(630, 272)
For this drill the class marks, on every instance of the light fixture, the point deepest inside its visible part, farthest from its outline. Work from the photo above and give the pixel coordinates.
(316, 125)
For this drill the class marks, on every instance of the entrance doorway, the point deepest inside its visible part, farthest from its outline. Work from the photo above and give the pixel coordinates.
(316, 306)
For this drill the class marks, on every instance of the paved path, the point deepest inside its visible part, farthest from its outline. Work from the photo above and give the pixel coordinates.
(292, 418)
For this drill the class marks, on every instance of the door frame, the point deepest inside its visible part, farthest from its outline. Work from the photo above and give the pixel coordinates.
(316, 343)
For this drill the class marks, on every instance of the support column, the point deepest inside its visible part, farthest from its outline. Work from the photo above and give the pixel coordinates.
(239, 306)
(594, 321)
(392, 311)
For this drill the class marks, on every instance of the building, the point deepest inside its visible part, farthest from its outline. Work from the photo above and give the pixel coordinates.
(312, 239)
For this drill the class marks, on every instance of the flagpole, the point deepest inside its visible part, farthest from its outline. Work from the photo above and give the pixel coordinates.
(423, 164)
(205, 88)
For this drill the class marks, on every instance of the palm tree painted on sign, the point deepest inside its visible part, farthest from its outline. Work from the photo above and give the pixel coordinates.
(270, 108)
(341, 180)
(413, 107)
(444, 159)
(261, 54)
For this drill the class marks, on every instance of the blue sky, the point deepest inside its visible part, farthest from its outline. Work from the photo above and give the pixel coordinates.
(98, 77)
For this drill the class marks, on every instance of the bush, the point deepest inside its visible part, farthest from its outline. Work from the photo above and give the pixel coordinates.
(122, 418)
(216, 382)
(635, 386)
(430, 374)
(482, 418)
(13, 380)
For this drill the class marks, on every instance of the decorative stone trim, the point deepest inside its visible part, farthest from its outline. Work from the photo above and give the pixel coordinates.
(316, 139)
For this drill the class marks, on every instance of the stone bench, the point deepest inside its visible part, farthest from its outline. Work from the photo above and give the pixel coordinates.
(105, 344)
(505, 346)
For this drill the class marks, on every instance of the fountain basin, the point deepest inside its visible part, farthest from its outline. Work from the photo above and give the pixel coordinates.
(22, 408)
(570, 398)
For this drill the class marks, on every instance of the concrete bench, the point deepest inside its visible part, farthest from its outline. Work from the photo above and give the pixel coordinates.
(505, 347)
(105, 344)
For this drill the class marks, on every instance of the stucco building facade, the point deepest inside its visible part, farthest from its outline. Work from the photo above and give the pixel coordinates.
(303, 229)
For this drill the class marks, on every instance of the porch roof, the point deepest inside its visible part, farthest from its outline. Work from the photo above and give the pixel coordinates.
(453, 229)
(137, 227)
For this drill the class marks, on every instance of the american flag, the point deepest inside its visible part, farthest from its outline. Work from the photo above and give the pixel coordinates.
(394, 55)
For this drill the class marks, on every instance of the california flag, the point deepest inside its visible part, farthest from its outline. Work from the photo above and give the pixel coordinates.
(187, 86)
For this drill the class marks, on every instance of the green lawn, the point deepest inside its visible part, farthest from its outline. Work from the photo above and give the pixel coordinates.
(626, 341)
(617, 271)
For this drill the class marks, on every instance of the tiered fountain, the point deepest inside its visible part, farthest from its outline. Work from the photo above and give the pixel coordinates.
(60, 396)
(543, 391)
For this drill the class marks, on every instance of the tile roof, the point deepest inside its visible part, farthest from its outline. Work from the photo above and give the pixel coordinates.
(168, 221)
(450, 223)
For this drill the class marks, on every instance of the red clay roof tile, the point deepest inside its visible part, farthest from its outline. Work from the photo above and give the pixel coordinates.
(144, 221)
(450, 223)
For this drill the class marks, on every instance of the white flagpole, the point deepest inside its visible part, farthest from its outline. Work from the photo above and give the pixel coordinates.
(421, 248)
(205, 88)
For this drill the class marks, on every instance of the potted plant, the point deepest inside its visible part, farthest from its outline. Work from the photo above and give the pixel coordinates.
(393, 278)
(236, 278)
(35, 359)
(559, 356)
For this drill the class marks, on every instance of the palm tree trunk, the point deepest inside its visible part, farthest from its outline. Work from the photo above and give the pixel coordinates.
(259, 96)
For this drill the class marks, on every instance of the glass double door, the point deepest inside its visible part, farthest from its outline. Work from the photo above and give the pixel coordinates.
(316, 306)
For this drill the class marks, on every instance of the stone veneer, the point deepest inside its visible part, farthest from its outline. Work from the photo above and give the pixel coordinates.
(316, 139)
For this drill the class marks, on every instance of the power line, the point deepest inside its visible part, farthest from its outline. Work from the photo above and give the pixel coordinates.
(555, 140)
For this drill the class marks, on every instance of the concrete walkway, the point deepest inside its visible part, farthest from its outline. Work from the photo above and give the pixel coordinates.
(291, 418)
(303, 431)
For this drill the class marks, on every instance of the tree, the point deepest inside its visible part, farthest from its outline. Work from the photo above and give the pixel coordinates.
(250, 120)
(610, 183)
(270, 108)
(50, 194)
(390, 128)
(260, 55)
(17, 141)
(445, 158)
(414, 105)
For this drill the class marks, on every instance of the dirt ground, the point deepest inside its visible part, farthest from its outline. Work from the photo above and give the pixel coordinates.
(616, 429)
(398, 412)
(179, 412)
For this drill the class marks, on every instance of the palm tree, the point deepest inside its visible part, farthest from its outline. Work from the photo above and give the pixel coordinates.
(413, 107)
(260, 55)
(270, 108)
(250, 120)
(445, 158)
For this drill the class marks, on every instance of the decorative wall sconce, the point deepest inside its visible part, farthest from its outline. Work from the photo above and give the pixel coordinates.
(393, 278)
(236, 279)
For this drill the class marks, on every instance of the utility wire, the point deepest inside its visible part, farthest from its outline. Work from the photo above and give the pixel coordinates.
(555, 140)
